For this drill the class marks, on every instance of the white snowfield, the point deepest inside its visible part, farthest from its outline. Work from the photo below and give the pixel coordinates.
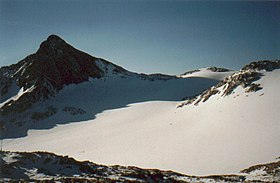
(220, 136)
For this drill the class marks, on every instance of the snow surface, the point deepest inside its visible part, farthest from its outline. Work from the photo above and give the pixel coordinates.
(221, 136)
(13, 91)
(16, 94)
(206, 73)
(11, 158)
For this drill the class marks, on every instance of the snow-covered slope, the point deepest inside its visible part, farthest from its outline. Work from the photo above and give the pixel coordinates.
(209, 72)
(84, 101)
(222, 135)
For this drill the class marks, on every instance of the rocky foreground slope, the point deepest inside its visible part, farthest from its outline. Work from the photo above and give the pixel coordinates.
(49, 167)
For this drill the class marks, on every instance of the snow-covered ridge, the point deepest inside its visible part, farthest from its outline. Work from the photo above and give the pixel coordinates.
(26, 166)
(245, 78)
(208, 72)
(111, 70)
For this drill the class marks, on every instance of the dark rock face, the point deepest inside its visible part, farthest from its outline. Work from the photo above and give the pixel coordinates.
(218, 69)
(271, 168)
(42, 115)
(59, 64)
(191, 72)
(253, 88)
(74, 110)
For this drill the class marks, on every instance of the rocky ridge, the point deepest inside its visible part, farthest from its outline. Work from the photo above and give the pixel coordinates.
(245, 78)
(218, 69)
(213, 69)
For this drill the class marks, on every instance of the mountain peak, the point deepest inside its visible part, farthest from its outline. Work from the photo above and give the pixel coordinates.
(54, 37)
(54, 45)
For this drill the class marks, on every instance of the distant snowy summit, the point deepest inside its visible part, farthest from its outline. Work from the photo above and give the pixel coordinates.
(208, 72)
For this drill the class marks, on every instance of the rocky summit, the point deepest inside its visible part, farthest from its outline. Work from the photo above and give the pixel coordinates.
(57, 63)
(44, 73)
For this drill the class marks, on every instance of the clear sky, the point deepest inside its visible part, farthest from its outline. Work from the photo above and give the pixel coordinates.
(146, 36)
